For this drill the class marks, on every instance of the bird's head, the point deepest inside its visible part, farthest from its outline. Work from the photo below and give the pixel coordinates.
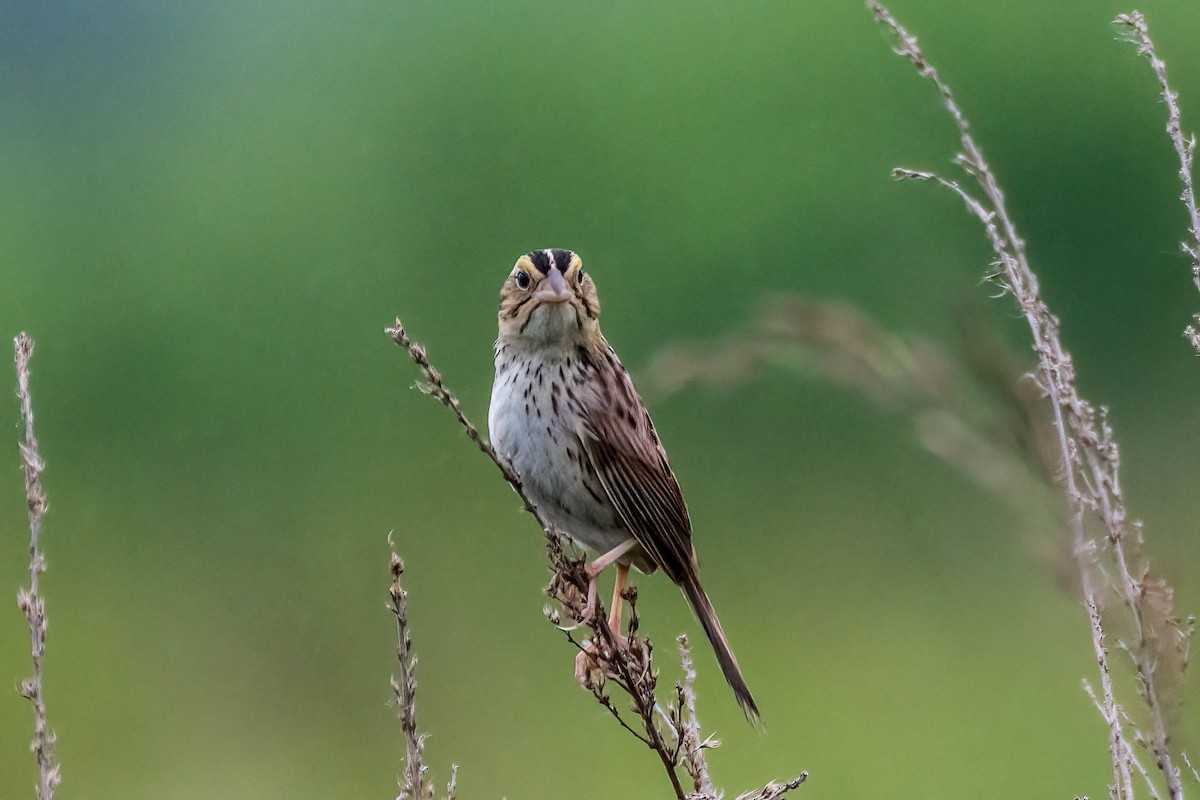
(549, 301)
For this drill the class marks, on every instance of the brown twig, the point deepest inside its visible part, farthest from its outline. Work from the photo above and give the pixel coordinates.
(1185, 148)
(30, 600)
(436, 389)
(626, 661)
(1087, 453)
(414, 784)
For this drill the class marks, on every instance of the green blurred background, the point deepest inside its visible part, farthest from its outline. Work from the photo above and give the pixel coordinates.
(209, 212)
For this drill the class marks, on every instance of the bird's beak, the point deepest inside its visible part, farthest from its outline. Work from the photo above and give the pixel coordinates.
(554, 289)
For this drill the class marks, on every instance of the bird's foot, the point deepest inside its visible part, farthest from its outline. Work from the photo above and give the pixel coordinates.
(593, 602)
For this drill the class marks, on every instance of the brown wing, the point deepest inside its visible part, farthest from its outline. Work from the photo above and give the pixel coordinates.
(623, 448)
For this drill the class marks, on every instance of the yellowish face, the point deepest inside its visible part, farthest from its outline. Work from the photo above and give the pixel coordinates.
(549, 299)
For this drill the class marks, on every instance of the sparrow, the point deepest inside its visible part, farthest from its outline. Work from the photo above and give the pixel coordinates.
(566, 417)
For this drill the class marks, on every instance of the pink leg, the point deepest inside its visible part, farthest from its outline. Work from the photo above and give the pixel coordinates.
(594, 569)
(614, 615)
(597, 566)
(586, 662)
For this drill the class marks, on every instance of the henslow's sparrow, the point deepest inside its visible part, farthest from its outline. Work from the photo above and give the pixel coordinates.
(565, 415)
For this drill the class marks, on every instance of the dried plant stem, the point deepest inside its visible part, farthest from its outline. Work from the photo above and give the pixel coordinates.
(1188, 761)
(436, 389)
(1087, 450)
(1185, 148)
(774, 790)
(30, 600)
(626, 660)
(413, 784)
(692, 745)
(1120, 752)
(628, 663)
(1055, 371)
(1002, 444)
(1150, 787)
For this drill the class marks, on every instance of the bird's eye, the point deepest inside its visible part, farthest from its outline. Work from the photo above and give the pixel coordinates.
(579, 278)
(523, 279)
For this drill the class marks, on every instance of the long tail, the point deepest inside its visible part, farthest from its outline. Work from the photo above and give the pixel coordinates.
(707, 615)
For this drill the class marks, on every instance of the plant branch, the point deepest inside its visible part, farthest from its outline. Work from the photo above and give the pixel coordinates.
(626, 660)
(774, 790)
(413, 784)
(692, 745)
(30, 600)
(1185, 147)
(436, 389)
(1087, 451)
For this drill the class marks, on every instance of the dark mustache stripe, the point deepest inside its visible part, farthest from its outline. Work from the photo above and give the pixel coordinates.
(517, 308)
(534, 310)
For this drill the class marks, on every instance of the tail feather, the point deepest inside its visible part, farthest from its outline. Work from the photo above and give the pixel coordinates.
(707, 615)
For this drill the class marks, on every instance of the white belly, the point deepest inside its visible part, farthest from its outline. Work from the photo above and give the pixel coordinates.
(538, 439)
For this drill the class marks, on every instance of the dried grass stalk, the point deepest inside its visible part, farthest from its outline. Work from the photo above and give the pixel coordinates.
(693, 746)
(30, 600)
(1134, 24)
(627, 664)
(978, 416)
(414, 783)
(669, 730)
(775, 790)
(1089, 461)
